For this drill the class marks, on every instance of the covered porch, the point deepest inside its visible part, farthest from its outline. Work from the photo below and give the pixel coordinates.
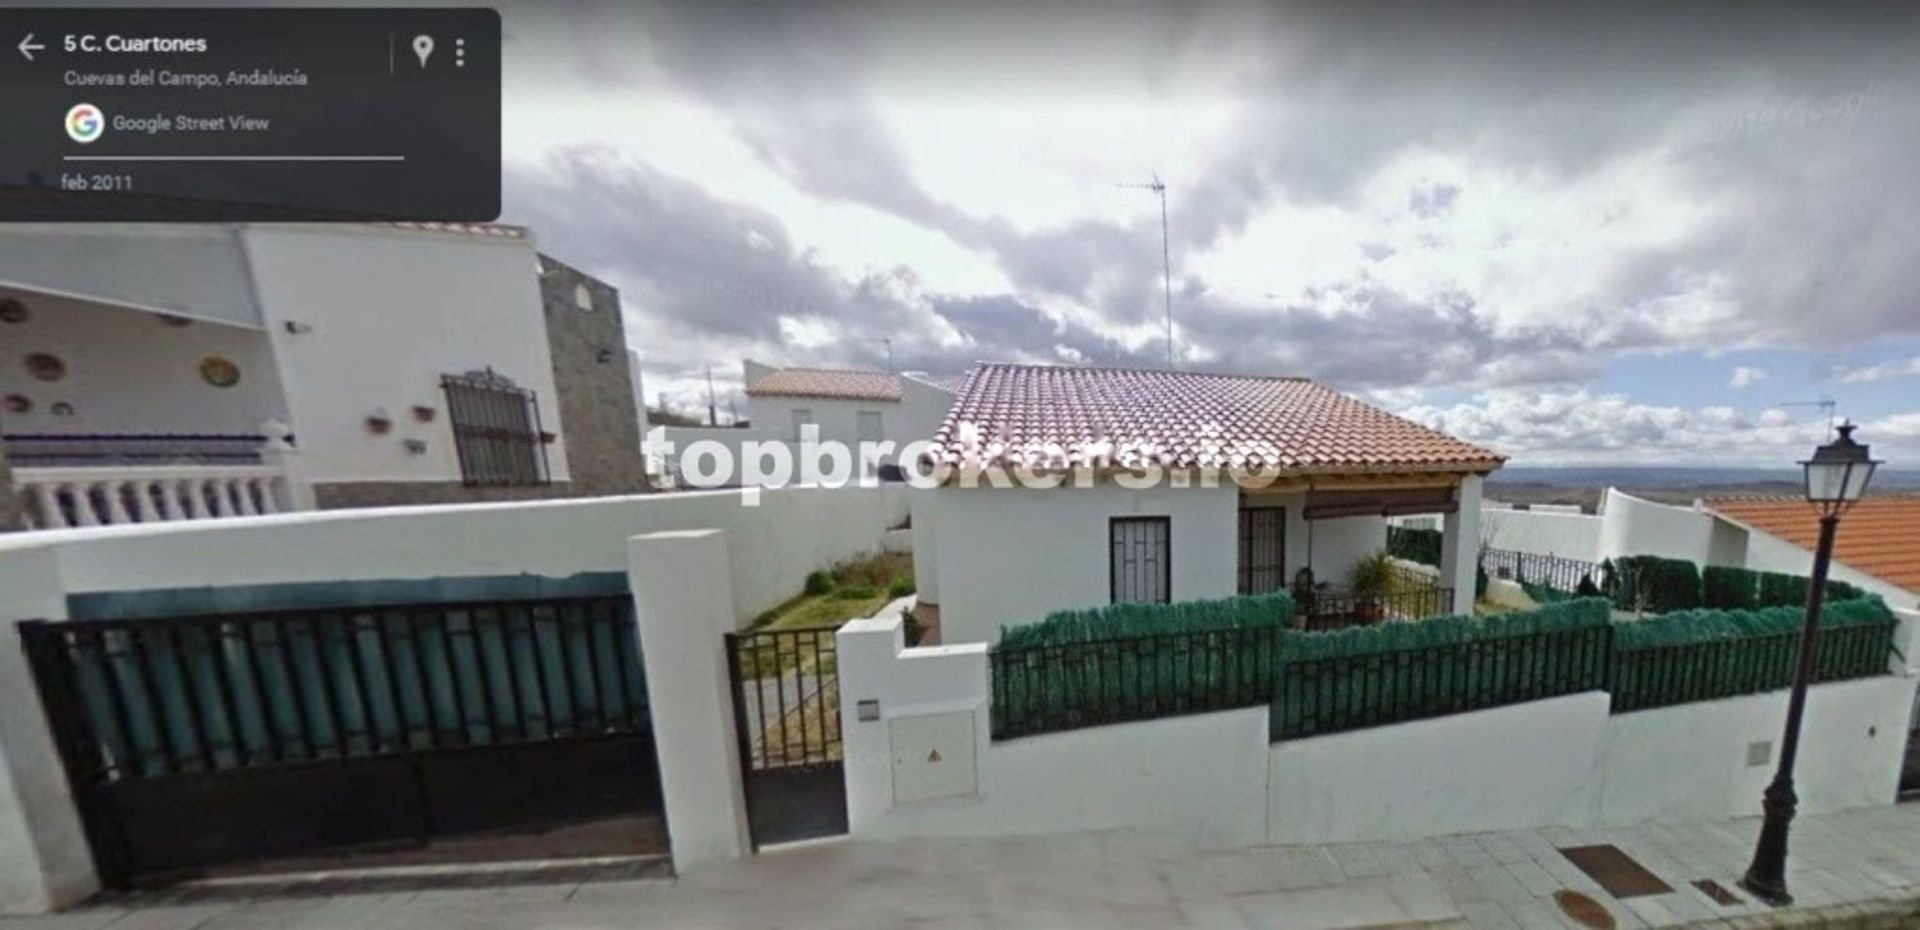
(1337, 525)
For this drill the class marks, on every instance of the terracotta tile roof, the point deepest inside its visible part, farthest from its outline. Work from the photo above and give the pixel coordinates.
(1879, 536)
(1058, 416)
(826, 382)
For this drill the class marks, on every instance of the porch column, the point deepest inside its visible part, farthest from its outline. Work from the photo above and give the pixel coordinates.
(682, 584)
(1460, 545)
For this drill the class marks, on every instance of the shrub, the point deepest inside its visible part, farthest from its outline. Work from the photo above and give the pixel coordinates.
(900, 587)
(819, 582)
(1742, 589)
(1371, 575)
(1421, 546)
(877, 570)
(1587, 588)
(1727, 588)
(1655, 584)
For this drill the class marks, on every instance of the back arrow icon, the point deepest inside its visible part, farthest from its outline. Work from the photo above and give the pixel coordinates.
(27, 46)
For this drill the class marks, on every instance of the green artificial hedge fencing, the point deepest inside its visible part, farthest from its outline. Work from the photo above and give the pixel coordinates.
(1142, 661)
(1651, 583)
(1421, 546)
(1699, 655)
(1367, 676)
(1125, 662)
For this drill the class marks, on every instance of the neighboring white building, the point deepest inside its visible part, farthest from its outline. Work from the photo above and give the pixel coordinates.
(989, 556)
(841, 405)
(408, 363)
(1878, 549)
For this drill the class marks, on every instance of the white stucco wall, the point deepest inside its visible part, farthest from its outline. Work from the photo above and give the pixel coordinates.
(1506, 768)
(44, 862)
(1631, 526)
(1013, 555)
(1333, 545)
(789, 533)
(1690, 761)
(1568, 535)
(391, 311)
(1198, 776)
(1769, 553)
(127, 372)
(836, 418)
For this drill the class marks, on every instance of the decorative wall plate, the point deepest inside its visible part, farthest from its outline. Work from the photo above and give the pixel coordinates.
(13, 311)
(46, 367)
(61, 408)
(19, 403)
(219, 372)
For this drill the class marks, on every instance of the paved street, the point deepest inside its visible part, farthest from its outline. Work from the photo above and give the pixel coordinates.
(1854, 863)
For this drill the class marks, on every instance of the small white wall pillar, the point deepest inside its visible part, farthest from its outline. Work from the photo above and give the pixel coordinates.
(44, 860)
(1460, 545)
(683, 601)
(277, 451)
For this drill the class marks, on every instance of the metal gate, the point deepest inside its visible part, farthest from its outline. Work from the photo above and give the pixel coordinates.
(191, 741)
(786, 708)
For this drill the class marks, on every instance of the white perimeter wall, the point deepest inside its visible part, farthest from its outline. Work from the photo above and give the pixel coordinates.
(774, 544)
(391, 311)
(1214, 777)
(127, 372)
(1631, 526)
(1500, 769)
(1690, 761)
(1769, 553)
(1568, 535)
(837, 419)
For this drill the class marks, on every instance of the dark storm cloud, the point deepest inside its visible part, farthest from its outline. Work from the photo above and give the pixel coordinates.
(1793, 125)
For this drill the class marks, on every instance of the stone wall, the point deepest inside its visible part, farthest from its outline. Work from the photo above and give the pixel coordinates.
(592, 375)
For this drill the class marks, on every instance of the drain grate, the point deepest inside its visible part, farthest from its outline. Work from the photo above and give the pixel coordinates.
(1584, 910)
(1717, 892)
(1616, 871)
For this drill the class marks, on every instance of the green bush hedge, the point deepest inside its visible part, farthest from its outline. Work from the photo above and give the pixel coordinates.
(1651, 583)
(1414, 545)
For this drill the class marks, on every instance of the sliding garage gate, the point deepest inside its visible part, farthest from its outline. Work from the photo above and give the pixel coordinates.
(191, 741)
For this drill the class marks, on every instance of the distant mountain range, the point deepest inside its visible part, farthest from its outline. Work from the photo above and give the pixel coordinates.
(1582, 484)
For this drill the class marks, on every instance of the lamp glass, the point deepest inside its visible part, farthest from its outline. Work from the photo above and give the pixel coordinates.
(1826, 481)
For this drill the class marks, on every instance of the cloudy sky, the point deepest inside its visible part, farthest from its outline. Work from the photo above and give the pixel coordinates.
(1622, 236)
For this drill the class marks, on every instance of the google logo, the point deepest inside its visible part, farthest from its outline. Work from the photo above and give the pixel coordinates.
(85, 123)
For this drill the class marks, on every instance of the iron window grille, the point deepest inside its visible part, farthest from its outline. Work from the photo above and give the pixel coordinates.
(1263, 550)
(496, 430)
(1141, 553)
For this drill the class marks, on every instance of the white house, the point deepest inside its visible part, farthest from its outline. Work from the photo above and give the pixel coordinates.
(1302, 477)
(147, 368)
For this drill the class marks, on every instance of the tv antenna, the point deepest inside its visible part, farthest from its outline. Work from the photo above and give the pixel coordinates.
(1826, 405)
(1166, 260)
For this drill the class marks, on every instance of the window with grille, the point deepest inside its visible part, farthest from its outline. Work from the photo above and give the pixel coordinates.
(1263, 550)
(1142, 559)
(496, 429)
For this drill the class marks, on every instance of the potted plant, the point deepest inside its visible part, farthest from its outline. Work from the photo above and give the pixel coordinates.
(1371, 581)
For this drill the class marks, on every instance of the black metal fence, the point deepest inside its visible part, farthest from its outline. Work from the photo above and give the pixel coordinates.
(1334, 609)
(1330, 695)
(1661, 676)
(1556, 572)
(787, 709)
(208, 693)
(1043, 689)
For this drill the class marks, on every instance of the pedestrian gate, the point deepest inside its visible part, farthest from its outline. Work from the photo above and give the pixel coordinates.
(786, 707)
(190, 741)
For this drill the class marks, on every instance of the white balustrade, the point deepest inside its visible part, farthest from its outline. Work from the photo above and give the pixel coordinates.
(58, 498)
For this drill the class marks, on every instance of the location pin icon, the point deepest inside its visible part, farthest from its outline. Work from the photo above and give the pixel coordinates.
(423, 47)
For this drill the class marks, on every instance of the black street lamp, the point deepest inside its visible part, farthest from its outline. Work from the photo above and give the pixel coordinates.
(1837, 476)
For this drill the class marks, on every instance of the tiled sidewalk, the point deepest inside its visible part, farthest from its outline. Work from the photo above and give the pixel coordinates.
(1863, 866)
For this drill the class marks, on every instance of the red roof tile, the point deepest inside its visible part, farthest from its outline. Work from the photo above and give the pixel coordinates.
(826, 382)
(1879, 536)
(1057, 416)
